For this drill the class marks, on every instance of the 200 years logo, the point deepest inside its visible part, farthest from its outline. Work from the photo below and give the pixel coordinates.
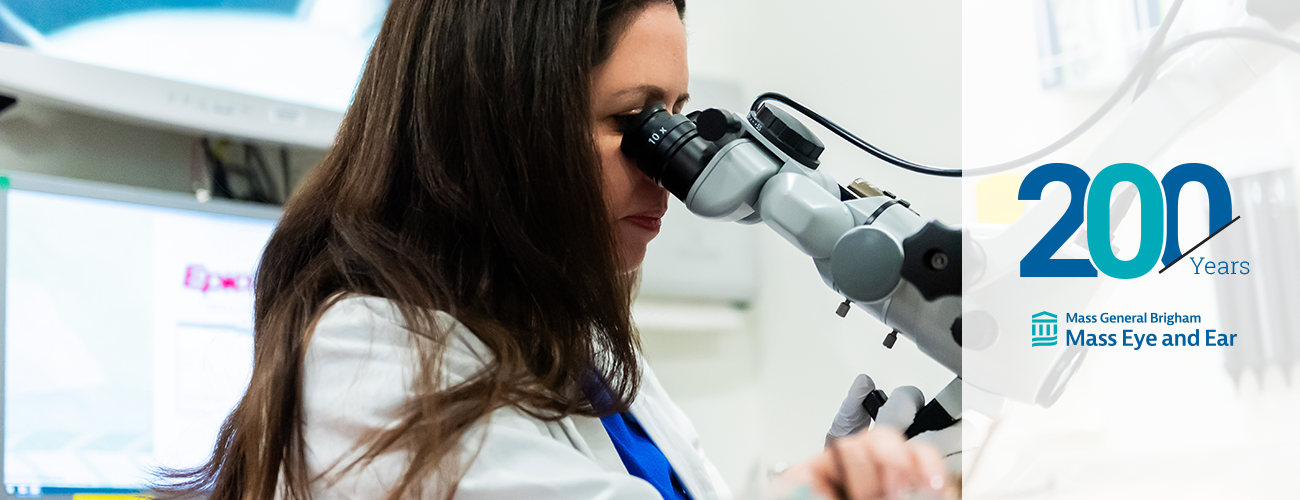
(1158, 209)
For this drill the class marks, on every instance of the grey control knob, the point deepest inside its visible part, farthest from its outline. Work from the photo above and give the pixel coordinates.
(865, 264)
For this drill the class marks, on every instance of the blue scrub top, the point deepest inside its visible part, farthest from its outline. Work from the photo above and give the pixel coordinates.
(641, 457)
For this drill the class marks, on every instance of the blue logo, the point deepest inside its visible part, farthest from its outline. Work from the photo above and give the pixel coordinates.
(1043, 329)
(1158, 209)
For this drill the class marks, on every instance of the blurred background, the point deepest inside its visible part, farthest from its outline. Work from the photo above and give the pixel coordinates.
(210, 100)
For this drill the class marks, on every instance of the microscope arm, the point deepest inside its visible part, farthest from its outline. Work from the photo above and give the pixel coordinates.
(912, 283)
(870, 247)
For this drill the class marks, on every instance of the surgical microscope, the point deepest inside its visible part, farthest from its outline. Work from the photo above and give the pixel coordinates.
(867, 243)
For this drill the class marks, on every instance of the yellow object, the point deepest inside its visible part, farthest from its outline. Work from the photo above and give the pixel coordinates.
(110, 496)
(996, 199)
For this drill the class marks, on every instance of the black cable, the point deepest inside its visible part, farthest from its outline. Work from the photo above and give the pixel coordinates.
(261, 172)
(284, 169)
(6, 102)
(256, 188)
(220, 179)
(853, 139)
(1138, 70)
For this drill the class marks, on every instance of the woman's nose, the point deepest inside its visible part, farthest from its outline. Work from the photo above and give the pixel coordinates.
(645, 180)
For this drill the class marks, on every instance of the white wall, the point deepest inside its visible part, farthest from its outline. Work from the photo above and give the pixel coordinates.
(890, 72)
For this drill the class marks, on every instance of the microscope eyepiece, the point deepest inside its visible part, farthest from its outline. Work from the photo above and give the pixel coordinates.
(668, 148)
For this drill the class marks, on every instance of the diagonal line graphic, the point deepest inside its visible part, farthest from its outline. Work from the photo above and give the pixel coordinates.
(1198, 245)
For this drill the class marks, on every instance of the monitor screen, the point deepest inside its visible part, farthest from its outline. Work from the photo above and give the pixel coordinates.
(127, 328)
(306, 52)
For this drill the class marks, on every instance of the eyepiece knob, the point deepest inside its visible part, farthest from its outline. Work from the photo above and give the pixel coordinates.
(714, 124)
(787, 133)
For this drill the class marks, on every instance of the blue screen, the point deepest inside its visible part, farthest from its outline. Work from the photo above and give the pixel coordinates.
(308, 52)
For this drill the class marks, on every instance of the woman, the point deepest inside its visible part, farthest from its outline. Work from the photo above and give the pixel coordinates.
(444, 309)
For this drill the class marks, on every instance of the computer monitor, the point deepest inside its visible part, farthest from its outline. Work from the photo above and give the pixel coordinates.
(127, 329)
(277, 70)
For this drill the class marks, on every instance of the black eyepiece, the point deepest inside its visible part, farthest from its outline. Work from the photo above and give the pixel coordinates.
(667, 147)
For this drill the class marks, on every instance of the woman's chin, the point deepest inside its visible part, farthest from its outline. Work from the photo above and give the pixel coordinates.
(630, 258)
(632, 240)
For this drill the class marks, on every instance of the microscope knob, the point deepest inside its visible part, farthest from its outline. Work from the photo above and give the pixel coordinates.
(843, 309)
(788, 133)
(874, 400)
(713, 124)
(932, 260)
(866, 263)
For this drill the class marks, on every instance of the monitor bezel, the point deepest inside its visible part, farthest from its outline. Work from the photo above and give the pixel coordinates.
(184, 107)
(19, 181)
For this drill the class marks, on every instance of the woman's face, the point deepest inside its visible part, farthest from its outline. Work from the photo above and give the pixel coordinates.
(648, 65)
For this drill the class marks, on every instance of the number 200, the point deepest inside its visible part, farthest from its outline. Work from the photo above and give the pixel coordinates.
(1158, 198)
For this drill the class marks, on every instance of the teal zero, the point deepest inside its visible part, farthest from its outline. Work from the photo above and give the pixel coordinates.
(1153, 220)
(1091, 197)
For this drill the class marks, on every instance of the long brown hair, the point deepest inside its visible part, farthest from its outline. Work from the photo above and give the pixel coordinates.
(464, 179)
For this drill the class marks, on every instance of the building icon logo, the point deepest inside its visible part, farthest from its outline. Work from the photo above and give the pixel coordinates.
(1043, 329)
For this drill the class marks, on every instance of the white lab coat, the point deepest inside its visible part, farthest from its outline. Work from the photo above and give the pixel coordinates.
(358, 371)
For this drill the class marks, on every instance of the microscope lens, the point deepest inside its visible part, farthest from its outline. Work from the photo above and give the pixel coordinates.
(667, 148)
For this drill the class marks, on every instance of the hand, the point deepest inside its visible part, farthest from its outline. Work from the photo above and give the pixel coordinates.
(852, 417)
(866, 465)
(900, 410)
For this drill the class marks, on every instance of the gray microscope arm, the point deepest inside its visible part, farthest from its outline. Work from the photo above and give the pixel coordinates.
(870, 247)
